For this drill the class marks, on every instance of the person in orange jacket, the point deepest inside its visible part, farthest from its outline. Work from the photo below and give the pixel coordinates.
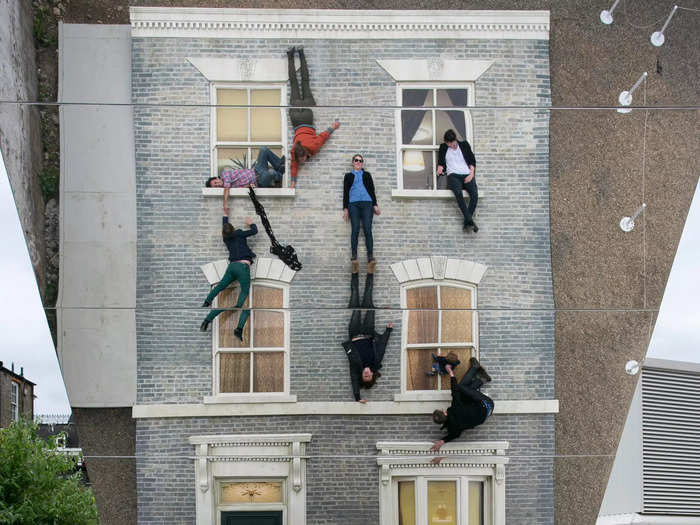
(306, 142)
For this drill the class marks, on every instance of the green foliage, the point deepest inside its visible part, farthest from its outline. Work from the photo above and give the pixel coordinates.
(240, 164)
(38, 484)
(45, 33)
(48, 181)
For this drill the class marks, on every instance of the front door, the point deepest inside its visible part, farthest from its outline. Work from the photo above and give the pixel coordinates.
(263, 517)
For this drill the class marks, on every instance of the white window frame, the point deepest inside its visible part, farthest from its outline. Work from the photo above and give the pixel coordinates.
(250, 457)
(253, 397)
(434, 395)
(400, 191)
(464, 461)
(14, 401)
(215, 144)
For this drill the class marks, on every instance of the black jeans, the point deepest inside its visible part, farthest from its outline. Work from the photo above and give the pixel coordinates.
(361, 213)
(356, 326)
(300, 97)
(455, 182)
(473, 394)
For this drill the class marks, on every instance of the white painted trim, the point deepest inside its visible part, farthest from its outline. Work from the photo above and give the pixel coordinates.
(639, 519)
(262, 270)
(241, 70)
(437, 70)
(346, 24)
(248, 456)
(532, 406)
(229, 399)
(425, 194)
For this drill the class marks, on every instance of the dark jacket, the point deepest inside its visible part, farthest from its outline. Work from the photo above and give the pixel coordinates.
(379, 346)
(466, 153)
(464, 412)
(366, 180)
(237, 244)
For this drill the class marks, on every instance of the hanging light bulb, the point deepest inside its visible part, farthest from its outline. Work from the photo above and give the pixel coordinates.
(606, 15)
(625, 97)
(657, 37)
(627, 223)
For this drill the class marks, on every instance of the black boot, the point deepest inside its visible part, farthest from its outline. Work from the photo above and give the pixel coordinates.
(354, 291)
(238, 332)
(206, 304)
(367, 297)
(205, 325)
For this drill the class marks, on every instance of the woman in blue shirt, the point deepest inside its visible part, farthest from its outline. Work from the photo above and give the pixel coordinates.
(359, 207)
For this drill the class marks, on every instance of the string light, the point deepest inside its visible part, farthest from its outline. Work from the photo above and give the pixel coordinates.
(625, 97)
(627, 223)
(657, 37)
(606, 15)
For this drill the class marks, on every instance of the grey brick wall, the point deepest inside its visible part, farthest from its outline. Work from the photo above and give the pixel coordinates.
(340, 491)
(178, 230)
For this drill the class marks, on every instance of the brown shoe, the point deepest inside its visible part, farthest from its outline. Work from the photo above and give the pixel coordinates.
(371, 265)
(355, 266)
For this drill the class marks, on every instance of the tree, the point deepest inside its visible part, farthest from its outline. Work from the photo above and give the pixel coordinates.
(38, 483)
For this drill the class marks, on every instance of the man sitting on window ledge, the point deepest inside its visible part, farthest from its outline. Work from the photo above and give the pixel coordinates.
(470, 408)
(306, 142)
(458, 161)
(266, 172)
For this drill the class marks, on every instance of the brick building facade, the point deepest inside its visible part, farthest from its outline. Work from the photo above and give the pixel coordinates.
(16, 396)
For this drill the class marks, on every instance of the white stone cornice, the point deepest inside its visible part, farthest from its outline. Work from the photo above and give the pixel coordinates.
(438, 268)
(337, 24)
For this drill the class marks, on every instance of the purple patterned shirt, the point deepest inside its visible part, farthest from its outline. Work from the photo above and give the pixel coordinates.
(238, 178)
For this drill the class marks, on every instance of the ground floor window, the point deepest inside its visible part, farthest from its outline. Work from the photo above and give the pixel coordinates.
(427, 500)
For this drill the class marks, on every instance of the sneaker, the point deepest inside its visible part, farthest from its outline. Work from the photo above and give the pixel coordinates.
(238, 332)
(205, 325)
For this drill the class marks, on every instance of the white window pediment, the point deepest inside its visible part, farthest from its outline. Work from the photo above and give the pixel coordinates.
(438, 268)
(248, 457)
(263, 268)
(482, 462)
(437, 70)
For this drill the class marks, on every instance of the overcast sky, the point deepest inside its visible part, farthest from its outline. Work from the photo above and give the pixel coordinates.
(25, 338)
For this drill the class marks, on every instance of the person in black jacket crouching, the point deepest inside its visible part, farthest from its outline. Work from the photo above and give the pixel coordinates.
(365, 347)
(470, 408)
(457, 160)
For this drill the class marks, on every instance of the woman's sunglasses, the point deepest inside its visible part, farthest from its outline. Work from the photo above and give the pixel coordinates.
(357, 160)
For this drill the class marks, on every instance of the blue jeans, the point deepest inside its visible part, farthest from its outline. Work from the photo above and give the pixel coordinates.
(455, 182)
(269, 168)
(361, 212)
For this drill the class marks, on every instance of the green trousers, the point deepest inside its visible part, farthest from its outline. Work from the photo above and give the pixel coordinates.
(236, 271)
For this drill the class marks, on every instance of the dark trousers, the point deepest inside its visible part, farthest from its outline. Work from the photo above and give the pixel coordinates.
(357, 326)
(474, 394)
(300, 96)
(455, 182)
(234, 272)
(361, 213)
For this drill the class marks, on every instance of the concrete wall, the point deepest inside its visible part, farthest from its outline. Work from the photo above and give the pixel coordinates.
(20, 140)
(178, 230)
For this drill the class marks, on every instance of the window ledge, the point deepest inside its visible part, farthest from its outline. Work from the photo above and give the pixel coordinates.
(249, 398)
(444, 395)
(427, 194)
(243, 192)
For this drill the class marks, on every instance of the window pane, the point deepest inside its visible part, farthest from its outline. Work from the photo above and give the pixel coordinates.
(418, 362)
(407, 503)
(231, 158)
(442, 502)
(452, 97)
(476, 503)
(266, 123)
(456, 324)
(422, 325)
(228, 321)
(268, 327)
(417, 127)
(232, 123)
(417, 170)
(235, 372)
(252, 492)
(450, 120)
(463, 354)
(417, 97)
(268, 372)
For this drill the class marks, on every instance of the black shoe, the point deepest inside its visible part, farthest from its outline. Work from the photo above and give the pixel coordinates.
(483, 376)
(282, 168)
(474, 227)
(466, 227)
(206, 304)
(238, 332)
(291, 51)
(205, 325)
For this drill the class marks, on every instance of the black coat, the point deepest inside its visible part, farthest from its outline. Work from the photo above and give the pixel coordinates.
(366, 180)
(379, 342)
(466, 153)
